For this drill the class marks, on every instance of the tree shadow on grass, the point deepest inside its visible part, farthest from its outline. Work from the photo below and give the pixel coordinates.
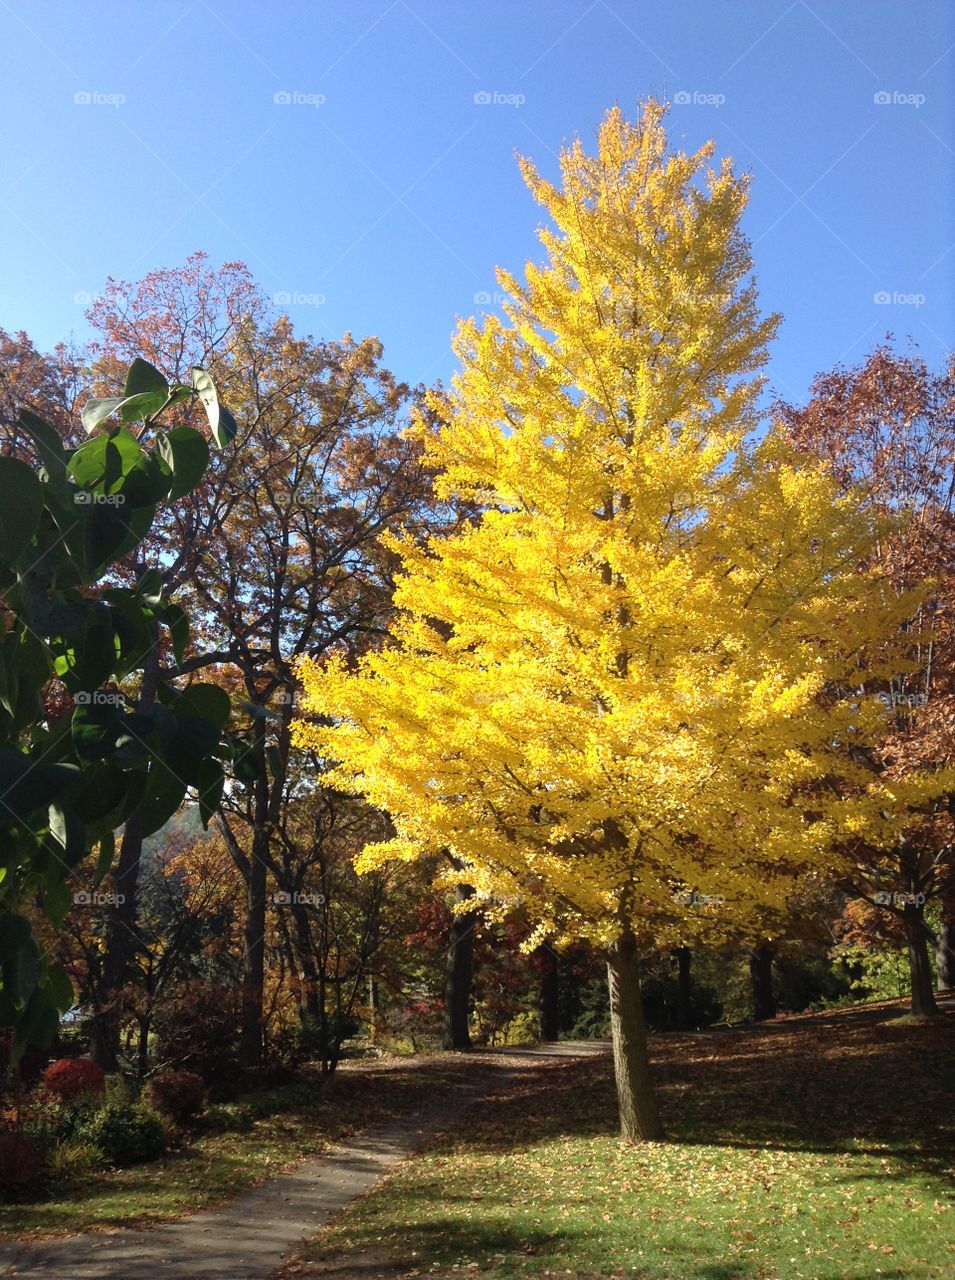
(857, 1085)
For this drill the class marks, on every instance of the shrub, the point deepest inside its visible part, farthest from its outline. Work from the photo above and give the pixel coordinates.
(21, 1167)
(126, 1134)
(70, 1079)
(72, 1159)
(221, 1116)
(176, 1094)
(200, 1026)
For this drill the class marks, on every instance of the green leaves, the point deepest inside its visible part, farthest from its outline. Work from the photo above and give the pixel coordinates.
(21, 502)
(20, 958)
(68, 781)
(142, 378)
(186, 454)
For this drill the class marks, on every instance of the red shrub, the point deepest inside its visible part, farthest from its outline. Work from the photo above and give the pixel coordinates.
(72, 1078)
(180, 1095)
(20, 1166)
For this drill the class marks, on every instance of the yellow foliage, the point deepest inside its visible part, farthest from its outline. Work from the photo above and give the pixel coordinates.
(638, 672)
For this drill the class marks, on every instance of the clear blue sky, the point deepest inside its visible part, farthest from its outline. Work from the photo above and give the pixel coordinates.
(382, 195)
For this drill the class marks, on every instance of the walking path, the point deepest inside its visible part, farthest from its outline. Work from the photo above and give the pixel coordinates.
(247, 1238)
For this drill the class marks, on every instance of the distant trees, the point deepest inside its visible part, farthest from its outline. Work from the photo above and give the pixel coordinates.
(280, 554)
(887, 429)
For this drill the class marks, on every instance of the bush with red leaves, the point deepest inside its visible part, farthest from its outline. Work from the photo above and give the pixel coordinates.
(70, 1079)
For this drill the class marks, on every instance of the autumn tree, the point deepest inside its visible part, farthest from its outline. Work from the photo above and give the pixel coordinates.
(280, 555)
(887, 430)
(612, 686)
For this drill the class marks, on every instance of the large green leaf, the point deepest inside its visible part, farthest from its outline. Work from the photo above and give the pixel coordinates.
(207, 701)
(97, 728)
(49, 447)
(67, 830)
(163, 795)
(144, 377)
(20, 960)
(211, 784)
(27, 785)
(221, 421)
(21, 501)
(129, 408)
(187, 454)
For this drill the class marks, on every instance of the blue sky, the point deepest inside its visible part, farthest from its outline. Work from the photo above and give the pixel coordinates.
(346, 150)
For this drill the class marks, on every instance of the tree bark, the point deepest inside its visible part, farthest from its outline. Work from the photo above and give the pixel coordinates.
(252, 1038)
(920, 968)
(761, 975)
(945, 951)
(309, 1005)
(548, 990)
(458, 971)
(639, 1116)
(683, 989)
(121, 936)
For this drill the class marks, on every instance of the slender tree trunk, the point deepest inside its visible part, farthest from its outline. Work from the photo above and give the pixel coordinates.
(253, 961)
(683, 989)
(252, 1039)
(639, 1116)
(121, 936)
(761, 974)
(305, 954)
(374, 1006)
(945, 951)
(920, 968)
(458, 970)
(548, 991)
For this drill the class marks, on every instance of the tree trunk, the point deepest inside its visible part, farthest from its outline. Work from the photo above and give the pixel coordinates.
(683, 1016)
(920, 969)
(309, 1010)
(548, 990)
(457, 984)
(639, 1116)
(121, 937)
(761, 974)
(945, 951)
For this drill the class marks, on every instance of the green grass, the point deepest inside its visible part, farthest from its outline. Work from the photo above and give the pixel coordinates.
(811, 1150)
(294, 1121)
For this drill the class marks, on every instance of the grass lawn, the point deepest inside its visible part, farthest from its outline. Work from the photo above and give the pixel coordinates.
(818, 1148)
(294, 1121)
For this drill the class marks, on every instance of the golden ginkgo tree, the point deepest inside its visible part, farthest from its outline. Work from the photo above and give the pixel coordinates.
(623, 689)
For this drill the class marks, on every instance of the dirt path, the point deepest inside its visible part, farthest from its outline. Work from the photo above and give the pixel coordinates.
(247, 1238)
